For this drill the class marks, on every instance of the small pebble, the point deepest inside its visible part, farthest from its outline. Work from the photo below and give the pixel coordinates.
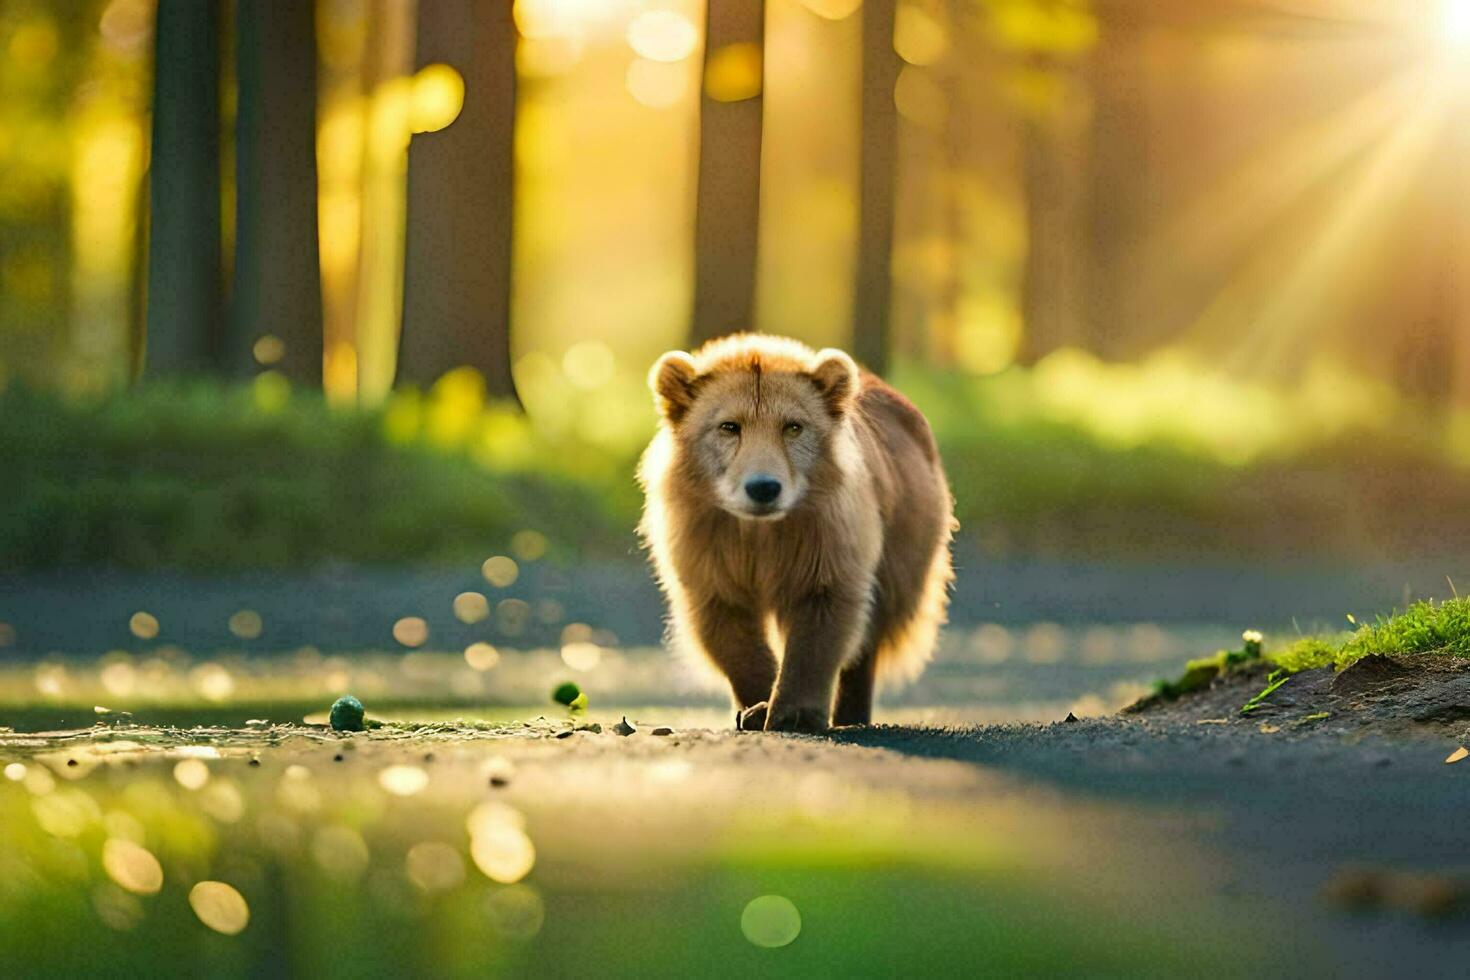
(662, 731)
(347, 714)
(71, 762)
(338, 757)
(255, 762)
(499, 782)
(428, 757)
(623, 728)
(1070, 718)
(565, 734)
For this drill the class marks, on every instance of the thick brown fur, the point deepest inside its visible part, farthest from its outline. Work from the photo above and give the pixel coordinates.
(803, 601)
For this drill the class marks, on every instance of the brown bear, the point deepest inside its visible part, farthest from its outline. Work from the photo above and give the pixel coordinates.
(795, 504)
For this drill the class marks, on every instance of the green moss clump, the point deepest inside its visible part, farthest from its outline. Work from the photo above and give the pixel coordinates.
(1425, 627)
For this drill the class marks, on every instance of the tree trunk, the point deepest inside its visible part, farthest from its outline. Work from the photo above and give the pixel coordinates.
(727, 209)
(278, 287)
(461, 194)
(185, 315)
(872, 299)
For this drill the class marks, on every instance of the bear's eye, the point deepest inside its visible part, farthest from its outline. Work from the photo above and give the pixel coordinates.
(730, 428)
(793, 429)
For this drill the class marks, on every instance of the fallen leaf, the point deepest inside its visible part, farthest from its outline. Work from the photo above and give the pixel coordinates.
(1213, 721)
(1458, 754)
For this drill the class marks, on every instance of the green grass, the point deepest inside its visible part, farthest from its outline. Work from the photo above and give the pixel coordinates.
(199, 476)
(1430, 627)
(1427, 627)
(255, 476)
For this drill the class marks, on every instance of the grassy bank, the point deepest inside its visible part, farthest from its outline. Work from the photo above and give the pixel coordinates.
(1427, 628)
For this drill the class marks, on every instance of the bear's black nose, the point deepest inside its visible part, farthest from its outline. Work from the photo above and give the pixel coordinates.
(762, 489)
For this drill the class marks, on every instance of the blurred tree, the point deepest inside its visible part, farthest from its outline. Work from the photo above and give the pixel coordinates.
(872, 299)
(45, 50)
(461, 196)
(727, 209)
(185, 314)
(376, 309)
(1119, 165)
(277, 288)
(1058, 249)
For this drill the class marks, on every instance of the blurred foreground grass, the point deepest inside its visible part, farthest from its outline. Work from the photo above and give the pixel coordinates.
(1074, 456)
(505, 852)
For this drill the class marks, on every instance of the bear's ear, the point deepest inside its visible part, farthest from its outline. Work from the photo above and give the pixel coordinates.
(836, 377)
(672, 380)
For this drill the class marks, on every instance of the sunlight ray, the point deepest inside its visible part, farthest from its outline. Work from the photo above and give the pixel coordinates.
(1296, 305)
(1210, 228)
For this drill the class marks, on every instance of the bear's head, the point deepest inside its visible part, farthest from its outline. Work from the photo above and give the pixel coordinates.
(754, 419)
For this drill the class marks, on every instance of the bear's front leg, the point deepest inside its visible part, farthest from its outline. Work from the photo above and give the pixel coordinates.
(823, 631)
(734, 638)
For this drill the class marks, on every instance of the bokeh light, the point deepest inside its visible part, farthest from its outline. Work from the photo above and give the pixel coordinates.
(770, 921)
(60, 812)
(116, 908)
(434, 866)
(516, 911)
(658, 84)
(471, 607)
(411, 631)
(588, 365)
(920, 98)
(481, 656)
(213, 681)
(502, 851)
(438, 97)
(512, 616)
(581, 656)
(133, 867)
(663, 35)
(220, 907)
(500, 571)
(246, 624)
(341, 852)
(733, 73)
(268, 349)
(528, 545)
(192, 773)
(918, 38)
(403, 780)
(143, 625)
